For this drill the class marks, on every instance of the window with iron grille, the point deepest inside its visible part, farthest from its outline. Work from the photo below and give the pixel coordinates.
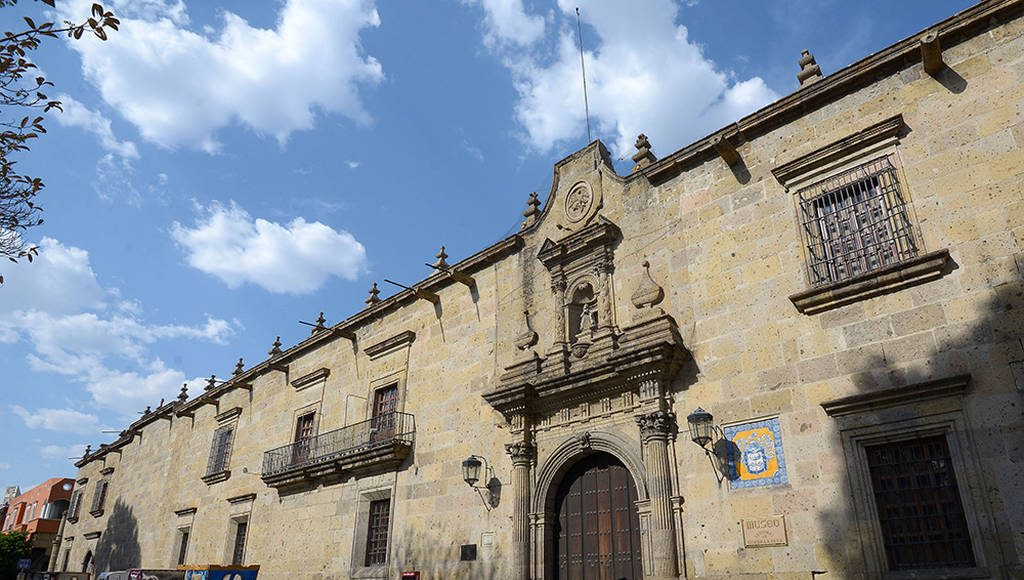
(238, 553)
(99, 497)
(856, 222)
(183, 535)
(76, 504)
(220, 450)
(377, 532)
(919, 508)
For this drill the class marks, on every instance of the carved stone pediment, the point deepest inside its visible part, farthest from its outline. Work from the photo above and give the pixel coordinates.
(645, 358)
(587, 246)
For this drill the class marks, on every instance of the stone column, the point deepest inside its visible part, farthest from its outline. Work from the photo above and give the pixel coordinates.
(522, 454)
(55, 547)
(604, 275)
(655, 430)
(558, 290)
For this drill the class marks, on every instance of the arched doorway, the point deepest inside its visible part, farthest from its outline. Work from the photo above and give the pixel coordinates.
(597, 533)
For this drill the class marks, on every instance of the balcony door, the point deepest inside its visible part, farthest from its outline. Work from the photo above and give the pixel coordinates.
(303, 436)
(385, 403)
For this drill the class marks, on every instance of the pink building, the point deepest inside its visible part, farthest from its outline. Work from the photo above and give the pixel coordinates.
(38, 511)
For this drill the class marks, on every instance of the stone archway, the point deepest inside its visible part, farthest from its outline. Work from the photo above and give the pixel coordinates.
(558, 468)
(596, 528)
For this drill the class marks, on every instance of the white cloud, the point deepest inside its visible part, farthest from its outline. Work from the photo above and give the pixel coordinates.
(353, 164)
(179, 87)
(643, 74)
(90, 334)
(78, 115)
(295, 258)
(62, 451)
(61, 420)
(506, 22)
(4, 466)
(59, 281)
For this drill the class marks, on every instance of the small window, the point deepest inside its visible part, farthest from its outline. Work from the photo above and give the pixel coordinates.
(183, 535)
(377, 532)
(76, 504)
(855, 222)
(238, 553)
(99, 497)
(919, 509)
(220, 450)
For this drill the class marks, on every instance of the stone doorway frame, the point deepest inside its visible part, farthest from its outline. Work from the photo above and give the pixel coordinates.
(550, 473)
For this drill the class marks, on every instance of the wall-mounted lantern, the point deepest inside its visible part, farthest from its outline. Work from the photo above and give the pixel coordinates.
(702, 427)
(704, 432)
(475, 467)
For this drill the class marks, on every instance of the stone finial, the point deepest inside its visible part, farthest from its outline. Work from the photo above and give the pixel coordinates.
(528, 337)
(532, 210)
(88, 450)
(648, 293)
(239, 367)
(275, 349)
(183, 395)
(809, 70)
(643, 156)
(211, 382)
(321, 324)
(374, 296)
(442, 257)
(147, 411)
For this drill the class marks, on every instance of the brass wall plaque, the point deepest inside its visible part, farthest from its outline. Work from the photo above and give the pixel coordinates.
(764, 532)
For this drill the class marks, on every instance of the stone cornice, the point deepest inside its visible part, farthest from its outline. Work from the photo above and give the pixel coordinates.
(390, 344)
(954, 386)
(864, 72)
(876, 133)
(186, 511)
(651, 348)
(311, 378)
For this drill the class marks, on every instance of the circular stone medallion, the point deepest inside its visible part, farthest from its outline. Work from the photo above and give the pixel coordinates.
(578, 202)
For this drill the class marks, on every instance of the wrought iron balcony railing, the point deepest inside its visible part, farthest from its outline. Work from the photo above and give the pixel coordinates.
(384, 439)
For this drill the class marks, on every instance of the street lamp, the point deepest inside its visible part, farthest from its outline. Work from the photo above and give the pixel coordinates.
(702, 427)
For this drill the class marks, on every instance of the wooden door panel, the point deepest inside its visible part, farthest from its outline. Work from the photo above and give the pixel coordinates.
(597, 535)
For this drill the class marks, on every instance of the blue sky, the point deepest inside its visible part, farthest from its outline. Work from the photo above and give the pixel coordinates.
(224, 169)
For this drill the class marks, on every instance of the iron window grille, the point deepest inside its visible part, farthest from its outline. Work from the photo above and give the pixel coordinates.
(99, 497)
(856, 222)
(377, 532)
(76, 505)
(183, 547)
(220, 451)
(919, 508)
(238, 554)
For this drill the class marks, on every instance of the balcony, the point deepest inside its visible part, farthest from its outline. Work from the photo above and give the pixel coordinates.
(372, 446)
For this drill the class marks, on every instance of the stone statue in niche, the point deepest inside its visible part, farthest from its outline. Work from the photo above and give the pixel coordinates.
(582, 313)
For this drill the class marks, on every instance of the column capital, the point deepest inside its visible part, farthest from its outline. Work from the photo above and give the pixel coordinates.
(521, 452)
(658, 425)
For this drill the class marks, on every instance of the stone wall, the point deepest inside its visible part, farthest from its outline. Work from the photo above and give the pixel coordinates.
(724, 245)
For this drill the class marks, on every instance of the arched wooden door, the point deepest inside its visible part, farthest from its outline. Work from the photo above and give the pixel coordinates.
(597, 536)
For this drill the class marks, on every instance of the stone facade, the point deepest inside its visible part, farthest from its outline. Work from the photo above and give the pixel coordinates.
(623, 304)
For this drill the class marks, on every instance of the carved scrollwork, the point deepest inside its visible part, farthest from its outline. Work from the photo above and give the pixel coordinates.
(657, 425)
(583, 439)
(527, 337)
(521, 452)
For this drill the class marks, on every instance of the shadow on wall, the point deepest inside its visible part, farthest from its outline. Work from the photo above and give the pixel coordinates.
(434, 552)
(987, 349)
(118, 548)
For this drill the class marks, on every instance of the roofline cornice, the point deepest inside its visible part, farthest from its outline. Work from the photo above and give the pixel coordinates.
(907, 52)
